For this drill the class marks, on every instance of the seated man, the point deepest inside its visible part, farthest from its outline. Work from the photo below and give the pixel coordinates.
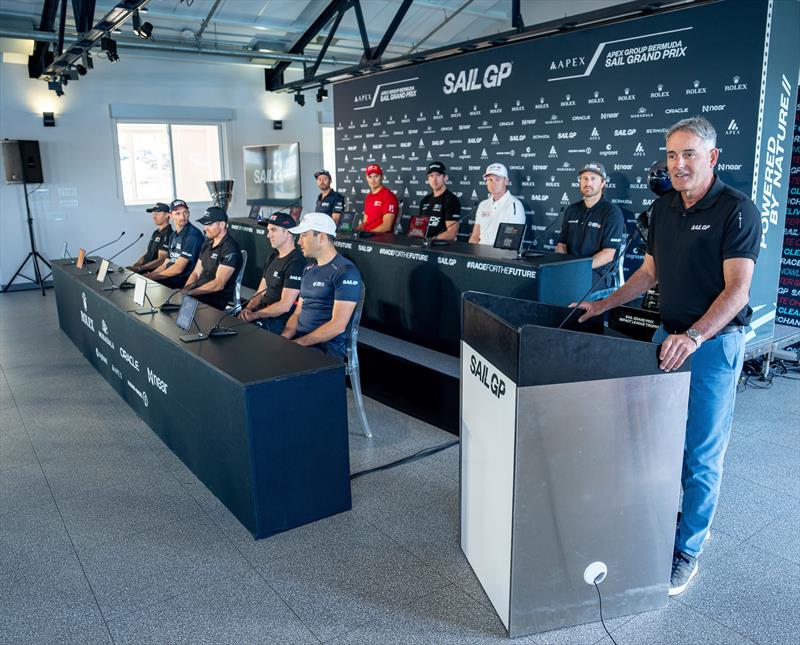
(440, 206)
(329, 291)
(183, 249)
(380, 204)
(500, 208)
(328, 201)
(158, 246)
(280, 285)
(213, 280)
(593, 227)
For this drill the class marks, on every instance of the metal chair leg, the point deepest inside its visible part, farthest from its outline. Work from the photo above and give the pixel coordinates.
(355, 381)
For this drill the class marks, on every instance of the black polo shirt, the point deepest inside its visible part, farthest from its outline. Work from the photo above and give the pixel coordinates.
(440, 210)
(159, 241)
(282, 273)
(586, 231)
(332, 203)
(226, 253)
(690, 245)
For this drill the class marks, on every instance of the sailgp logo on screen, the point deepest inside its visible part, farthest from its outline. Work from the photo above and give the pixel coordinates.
(476, 79)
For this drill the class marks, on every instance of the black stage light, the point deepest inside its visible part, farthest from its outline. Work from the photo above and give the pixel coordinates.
(80, 69)
(109, 47)
(322, 94)
(56, 87)
(72, 74)
(88, 63)
(300, 99)
(143, 30)
(277, 124)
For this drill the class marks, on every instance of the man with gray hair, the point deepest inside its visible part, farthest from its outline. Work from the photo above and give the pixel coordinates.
(701, 250)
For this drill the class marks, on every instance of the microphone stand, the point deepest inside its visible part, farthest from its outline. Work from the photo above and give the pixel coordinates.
(168, 306)
(216, 330)
(88, 260)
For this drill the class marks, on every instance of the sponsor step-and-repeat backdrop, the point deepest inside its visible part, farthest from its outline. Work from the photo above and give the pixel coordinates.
(547, 106)
(789, 286)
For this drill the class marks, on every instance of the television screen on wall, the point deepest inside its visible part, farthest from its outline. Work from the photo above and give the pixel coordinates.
(272, 174)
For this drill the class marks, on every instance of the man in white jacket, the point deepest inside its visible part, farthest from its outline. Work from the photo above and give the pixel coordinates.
(500, 208)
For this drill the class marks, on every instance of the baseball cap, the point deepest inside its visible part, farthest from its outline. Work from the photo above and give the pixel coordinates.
(160, 207)
(284, 220)
(373, 169)
(319, 222)
(213, 214)
(322, 172)
(436, 166)
(177, 203)
(497, 169)
(594, 166)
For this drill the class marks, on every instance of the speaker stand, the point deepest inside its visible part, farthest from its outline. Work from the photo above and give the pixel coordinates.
(33, 254)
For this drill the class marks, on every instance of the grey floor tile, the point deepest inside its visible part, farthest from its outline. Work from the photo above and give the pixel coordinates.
(784, 432)
(153, 565)
(718, 545)
(586, 634)
(335, 588)
(33, 542)
(765, 463)
(755, 411)
(751, 592)
(6, 398)
(445, 462)
(16, 448)
(745, 507)
(236, 610)
(111, 514)
(678, 623)
(23, 487)
(10, 419)
(445, 617)
(56, 608)
(781, 538)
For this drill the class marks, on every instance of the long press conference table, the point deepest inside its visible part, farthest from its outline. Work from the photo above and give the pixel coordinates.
(413, 292)
(261, 421)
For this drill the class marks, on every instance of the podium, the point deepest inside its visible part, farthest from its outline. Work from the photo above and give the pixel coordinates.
(571, 450)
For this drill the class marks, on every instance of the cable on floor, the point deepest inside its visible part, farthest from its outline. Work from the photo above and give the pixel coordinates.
(427, 452)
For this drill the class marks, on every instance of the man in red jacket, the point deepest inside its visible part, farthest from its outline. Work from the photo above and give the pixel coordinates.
(380, 205)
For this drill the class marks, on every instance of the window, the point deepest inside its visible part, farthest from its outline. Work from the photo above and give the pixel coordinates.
(329, 153)
(164, 161)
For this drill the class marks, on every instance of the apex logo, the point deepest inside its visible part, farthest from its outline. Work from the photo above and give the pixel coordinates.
(568, 63)
(733, 127)
(471, 80)
(553, 152)
(565, 199)
(595, 135)
(639, 151)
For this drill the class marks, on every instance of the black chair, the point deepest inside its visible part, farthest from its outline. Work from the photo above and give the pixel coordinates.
(351, 364)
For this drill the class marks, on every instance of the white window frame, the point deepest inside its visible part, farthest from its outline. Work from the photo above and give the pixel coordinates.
(223, 153)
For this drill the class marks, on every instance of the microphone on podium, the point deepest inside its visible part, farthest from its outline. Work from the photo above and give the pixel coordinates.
(88, 260)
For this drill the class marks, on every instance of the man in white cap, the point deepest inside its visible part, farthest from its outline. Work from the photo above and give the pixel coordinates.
(500, 208)
(329, 289)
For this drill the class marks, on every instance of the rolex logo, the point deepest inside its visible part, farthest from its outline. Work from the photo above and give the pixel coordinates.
(696, 83)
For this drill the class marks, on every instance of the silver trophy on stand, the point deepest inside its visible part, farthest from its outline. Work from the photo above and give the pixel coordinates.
(221, 192)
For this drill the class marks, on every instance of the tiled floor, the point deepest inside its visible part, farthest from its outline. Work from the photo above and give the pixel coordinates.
(106, 537)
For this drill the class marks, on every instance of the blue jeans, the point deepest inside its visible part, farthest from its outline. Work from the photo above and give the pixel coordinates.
(712, 393)
(600, 294)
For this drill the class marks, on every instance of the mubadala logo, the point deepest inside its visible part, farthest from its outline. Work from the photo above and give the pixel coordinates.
(733, 127)
(567, 63)
(695, 88)
(553, 152)
(595, 135)
(608, 115)
(642, 113)
(554, 120)
(714, 108)
(736, 86)
(485, 126)
(596, 98)
(660, 92)
(639, 151)
(626, 95)
(541, 105)
(565, 167)
(471, 80)
(103, 334)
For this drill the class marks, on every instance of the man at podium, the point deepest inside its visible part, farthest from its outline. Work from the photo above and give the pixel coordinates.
(701, 251)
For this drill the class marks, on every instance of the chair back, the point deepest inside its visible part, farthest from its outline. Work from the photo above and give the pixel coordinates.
(237, 293)
(352, 333)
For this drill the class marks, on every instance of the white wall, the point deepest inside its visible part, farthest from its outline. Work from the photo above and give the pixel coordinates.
(81, 200)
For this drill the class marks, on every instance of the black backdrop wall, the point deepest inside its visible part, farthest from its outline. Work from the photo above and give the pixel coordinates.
(544, 107)
(789, 287)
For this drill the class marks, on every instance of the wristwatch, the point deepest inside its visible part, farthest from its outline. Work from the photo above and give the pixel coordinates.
(695, 335)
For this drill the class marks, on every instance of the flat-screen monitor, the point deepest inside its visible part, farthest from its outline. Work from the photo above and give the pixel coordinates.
(509, 236)
(418, 226)
(186, 313)
(348, 222)
(272, 174)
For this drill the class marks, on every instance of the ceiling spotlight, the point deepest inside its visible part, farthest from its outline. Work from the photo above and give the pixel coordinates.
(142, 29)
(87, 61)
(300, 99)
(80, 69)
(56, 87)
(322, 94)
(109, 47)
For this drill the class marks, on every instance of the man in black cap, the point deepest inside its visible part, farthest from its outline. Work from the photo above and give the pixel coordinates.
(328, 201)
(440, 206)
(218, 263)
(183, 249)
(158, 246)
(280, 283)
(593, 227)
